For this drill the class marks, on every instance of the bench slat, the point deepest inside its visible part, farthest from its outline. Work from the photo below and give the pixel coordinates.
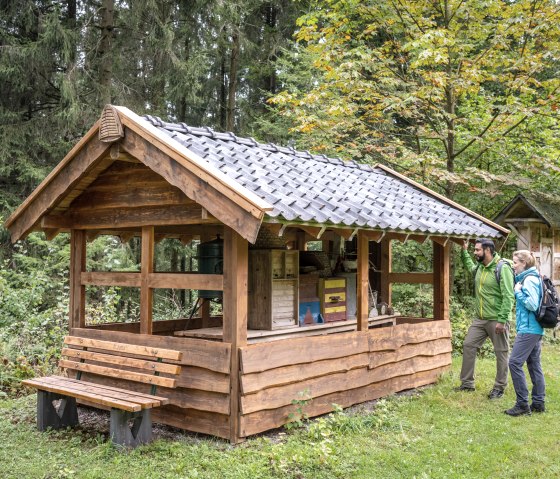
(118, 373)
(88, 396)
(124, 348)
(146, 401)
(122, 361)
(112, 389)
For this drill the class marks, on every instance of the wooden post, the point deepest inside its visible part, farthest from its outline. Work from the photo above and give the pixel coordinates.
(205, 308)
(301, 237)
(147, 267)
(77, 290)
(236, 264)
(441, 281)
(363, 281)
(385, 286)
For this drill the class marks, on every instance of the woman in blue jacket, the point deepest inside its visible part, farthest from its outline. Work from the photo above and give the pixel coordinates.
(527, 345)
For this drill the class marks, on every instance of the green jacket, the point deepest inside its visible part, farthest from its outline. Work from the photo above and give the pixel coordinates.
(494, 301)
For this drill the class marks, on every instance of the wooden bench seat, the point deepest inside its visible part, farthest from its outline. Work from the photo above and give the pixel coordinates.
(112, 360)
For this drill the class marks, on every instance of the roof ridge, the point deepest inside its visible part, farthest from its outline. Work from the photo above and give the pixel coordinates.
(250, 141)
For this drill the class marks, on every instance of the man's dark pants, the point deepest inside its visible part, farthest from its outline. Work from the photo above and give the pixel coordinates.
(479, 330)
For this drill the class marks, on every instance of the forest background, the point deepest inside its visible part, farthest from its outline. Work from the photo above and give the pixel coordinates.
(460, 96)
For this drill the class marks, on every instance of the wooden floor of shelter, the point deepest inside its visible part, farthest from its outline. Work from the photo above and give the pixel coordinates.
(258, 336)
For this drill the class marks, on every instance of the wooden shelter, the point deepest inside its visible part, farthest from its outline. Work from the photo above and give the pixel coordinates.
(139, 176)
(536, 223)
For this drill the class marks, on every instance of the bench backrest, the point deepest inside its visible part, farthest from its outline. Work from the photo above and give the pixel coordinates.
(117, 356)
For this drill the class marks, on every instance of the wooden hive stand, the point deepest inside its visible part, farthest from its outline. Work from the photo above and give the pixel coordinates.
(131, 422)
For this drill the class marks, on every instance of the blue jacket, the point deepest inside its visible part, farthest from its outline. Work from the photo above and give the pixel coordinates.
(528, 300)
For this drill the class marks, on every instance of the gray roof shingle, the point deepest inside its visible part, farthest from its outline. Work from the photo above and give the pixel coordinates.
(315, 189)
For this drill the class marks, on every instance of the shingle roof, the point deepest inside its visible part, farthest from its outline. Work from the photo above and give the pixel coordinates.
(530, 206)
(312, 189)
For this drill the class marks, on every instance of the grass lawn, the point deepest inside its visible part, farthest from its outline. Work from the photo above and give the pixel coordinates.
(433, 433)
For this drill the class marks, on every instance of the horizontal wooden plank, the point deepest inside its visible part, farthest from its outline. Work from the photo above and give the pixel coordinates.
(111, 390)
(59, 389)
(124, 348)
(411, 278)
(429, 348)
(384, 339)
(192, 420)
(203, 379)
(113, 278)
(213, 282)
(135, 217)
(180, 397)
(118, 373)
(122, 361)
(265, 420)
(264, 356)
(251, 383)
(212, 355)
(276, 397)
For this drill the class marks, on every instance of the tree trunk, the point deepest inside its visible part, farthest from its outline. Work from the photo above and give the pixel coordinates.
(105, 54)
(232, 86)
(223, 93)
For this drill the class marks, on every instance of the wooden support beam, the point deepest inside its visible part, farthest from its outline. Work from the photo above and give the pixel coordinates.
(441, 240)
(111, 278)
(236, 261)
(344, 232)
(363, 281)
(418, 238)
(376, 236)
(411, 278)
(205, 308)
(77, 290)
(147, 268)
(50, 233)
(313, 231)
(386, 265)
(441, 281)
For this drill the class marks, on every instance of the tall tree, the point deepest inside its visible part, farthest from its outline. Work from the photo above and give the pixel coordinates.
(441, 90)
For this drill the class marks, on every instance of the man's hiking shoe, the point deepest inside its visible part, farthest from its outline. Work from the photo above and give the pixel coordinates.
(537, 408)
(518, 410)
(495, 393)
(464, 388)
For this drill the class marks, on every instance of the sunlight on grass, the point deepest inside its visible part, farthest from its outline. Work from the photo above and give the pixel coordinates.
(433, 433)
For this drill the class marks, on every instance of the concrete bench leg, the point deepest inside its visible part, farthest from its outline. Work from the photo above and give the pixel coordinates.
(49, 416)
(131, 429)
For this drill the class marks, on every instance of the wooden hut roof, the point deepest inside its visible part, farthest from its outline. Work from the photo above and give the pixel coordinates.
(530, 208)
(315, 189)
(253, 182)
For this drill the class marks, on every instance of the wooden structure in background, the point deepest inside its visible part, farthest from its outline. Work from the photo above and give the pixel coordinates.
(127, 178)
(536, 223)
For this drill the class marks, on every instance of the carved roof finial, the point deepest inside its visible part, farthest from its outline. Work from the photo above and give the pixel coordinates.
(110, 128)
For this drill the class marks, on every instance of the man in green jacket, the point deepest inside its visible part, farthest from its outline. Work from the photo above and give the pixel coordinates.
(494, 303)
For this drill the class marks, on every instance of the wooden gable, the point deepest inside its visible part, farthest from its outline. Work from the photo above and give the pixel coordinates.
(139, 178)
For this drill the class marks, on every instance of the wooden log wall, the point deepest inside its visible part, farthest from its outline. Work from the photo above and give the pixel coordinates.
(345, 369)
(201, 401)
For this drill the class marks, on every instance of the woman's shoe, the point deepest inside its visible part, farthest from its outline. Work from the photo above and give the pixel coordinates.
(518, 410)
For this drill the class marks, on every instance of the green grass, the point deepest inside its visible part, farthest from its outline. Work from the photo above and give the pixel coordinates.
(436, 433)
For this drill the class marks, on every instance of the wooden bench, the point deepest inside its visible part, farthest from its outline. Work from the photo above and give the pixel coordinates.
(131, 422)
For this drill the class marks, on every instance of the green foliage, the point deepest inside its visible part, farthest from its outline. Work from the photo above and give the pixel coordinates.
(461, 96)
(298, 418)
